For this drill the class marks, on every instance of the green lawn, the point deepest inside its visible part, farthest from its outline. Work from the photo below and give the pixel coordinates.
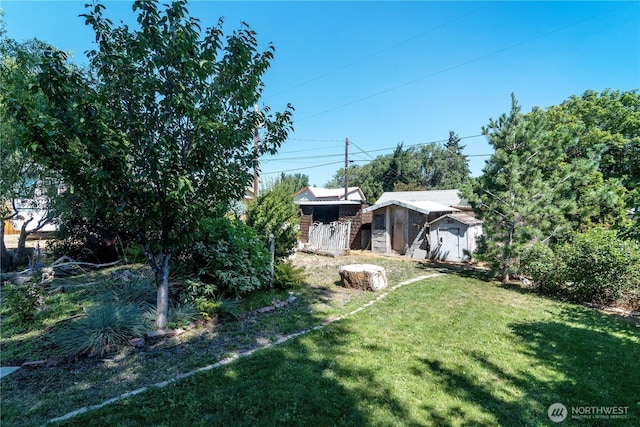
(449, 350)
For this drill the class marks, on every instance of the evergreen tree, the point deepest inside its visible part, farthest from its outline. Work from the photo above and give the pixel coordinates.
(456, 164)
(275, 213)
(523, 193)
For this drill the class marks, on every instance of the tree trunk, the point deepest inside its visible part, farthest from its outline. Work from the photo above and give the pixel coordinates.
(506, 257)
(162, 283)
(19, 253)
(363, 277)
(6, 263)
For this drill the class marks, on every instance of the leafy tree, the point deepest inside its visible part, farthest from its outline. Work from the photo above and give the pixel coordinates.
(20, 177)
(523, 194)
(368, 177)
(294, 182)
(159, 129)
(428, 167)
(609, 123)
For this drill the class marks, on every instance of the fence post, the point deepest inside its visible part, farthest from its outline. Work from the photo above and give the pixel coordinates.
(272, 251)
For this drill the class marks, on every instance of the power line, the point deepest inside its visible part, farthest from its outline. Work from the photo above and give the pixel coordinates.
(393, 46)
(370, 156)
(367, 153)
(461, 64)
(373, 151)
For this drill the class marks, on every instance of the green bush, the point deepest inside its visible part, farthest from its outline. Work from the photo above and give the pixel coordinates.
(274, 212)
(191, 290)
(207, 308)
(601, 267)
(544, 267)
(288, 276)
(23, 301)
(228, 254)
(103, 329)
(224, 308)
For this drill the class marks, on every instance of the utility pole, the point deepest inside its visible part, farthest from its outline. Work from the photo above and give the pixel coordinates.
(256, 168)
(346, 169)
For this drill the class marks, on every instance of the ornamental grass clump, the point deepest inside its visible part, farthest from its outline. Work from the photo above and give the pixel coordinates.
(140, 292)
(102, 330)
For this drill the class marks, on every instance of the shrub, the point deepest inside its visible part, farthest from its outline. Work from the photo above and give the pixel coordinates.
(600, 266)
(224, 308)
(23, 301)
(207, 308)
(543, 266)
(193, 289)
(103, 329)
(274, 212)
(288, 276)
(228, 254)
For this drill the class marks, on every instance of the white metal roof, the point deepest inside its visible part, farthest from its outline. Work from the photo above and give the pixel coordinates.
(444, 197)
(422, 206)
(461, 218)
(327, 202)
(327, 194)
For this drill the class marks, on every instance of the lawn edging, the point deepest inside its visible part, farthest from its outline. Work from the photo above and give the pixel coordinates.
(239, 355)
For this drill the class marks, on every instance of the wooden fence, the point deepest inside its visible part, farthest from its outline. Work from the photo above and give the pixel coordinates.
(8, 228)
(330, 238)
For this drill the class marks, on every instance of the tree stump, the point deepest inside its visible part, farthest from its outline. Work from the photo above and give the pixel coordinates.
(366, 277)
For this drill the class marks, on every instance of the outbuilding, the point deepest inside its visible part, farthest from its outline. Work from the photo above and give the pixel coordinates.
(402, 226)
(332, 219)
(453, 237)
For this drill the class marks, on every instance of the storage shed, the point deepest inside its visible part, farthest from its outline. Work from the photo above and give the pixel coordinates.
(401, 226)
(453, 237)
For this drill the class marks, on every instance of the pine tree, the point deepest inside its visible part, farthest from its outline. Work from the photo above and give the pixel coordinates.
(522, 193)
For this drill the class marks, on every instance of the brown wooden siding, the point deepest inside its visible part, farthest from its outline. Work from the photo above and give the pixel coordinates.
(351, 213)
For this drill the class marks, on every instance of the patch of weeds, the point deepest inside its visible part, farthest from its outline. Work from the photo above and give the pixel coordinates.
(22, 302)
(230, 308)
(208, 309)
(263, 298)
(288, 276)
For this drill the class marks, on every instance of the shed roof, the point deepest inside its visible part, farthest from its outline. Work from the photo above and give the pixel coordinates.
(423, 206)
(461, 218)
(444, 197)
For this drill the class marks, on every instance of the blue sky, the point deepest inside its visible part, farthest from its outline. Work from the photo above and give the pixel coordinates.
(381, 73)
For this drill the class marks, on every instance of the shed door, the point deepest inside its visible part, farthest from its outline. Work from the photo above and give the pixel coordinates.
(399, 230)
(449, 241)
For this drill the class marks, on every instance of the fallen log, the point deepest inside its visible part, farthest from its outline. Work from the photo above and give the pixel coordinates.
(65, 266)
